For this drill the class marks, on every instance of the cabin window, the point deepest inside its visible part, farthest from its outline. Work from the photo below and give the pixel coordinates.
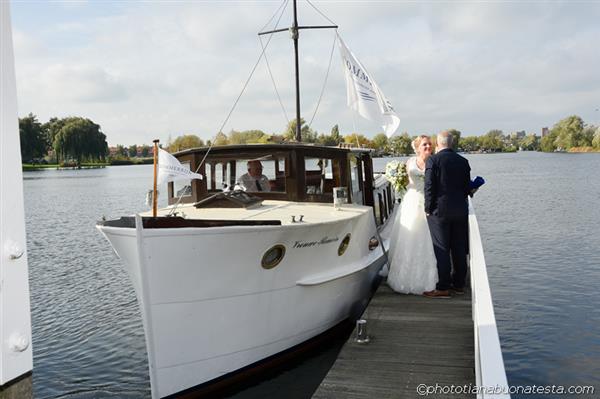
(218, 175)
(356, 178)
(321, 175)
(183, 188)
(271, 168)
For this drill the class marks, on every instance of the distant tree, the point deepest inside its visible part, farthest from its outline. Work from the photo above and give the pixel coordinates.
(220, 139)
(335, 135)
(247, 137)
(493, 140)
(276, 138)
(327, 140)
(596, 139)
(52, 127)
(380, 142)
(568, 132)
(32, 137)
(547, 142)
(122, 151)
(358, 140)
(184, 142)
(308, 135)
(401, 144)
(132, 150)
(470, 144)
(455, 138)
(145, 151)
(587, 136)
(531, 142)
(332, 139)
(513, 140)
(80, 139)
(264, 139)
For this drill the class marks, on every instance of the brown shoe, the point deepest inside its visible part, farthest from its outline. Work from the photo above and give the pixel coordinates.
(437, 294)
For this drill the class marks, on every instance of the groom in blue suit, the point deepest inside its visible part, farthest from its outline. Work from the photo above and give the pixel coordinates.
(447, 178)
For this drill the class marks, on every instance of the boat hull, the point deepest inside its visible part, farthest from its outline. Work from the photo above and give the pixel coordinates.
(209, 307)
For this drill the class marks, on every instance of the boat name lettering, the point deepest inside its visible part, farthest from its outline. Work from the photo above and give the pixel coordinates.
(308, 244)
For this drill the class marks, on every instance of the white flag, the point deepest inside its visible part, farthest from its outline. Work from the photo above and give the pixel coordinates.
(364, 96)
(170, 169)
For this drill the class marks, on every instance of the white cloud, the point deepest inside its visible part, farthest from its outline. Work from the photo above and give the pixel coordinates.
(151, 69)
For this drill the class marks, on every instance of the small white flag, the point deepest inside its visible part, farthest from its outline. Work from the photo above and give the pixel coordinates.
(364, 96)
(170, 169)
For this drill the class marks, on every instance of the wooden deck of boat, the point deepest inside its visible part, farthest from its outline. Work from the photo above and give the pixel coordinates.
(413, 340)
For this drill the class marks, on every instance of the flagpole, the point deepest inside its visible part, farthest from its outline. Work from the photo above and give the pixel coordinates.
(154, 199)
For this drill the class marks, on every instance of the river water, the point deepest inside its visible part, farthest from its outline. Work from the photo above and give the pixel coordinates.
(539, 218)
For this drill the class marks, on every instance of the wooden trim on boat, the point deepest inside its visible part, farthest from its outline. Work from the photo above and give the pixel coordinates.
(179, 222)
(295, 171)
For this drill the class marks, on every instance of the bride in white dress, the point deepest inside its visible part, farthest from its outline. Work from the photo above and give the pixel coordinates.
(413, 267)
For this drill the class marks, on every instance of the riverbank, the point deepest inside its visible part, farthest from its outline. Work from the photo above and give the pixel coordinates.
(87, 165)
(38, 166)
(583, 149)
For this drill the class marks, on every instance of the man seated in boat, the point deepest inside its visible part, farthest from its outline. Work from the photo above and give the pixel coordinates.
(254, 180)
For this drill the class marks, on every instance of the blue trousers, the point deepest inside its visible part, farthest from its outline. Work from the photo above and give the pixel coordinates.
(450, 237)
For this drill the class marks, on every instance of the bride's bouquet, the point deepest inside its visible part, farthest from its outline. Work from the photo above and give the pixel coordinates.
(397, 175)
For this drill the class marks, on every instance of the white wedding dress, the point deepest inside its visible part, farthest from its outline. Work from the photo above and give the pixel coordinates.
(413, 267)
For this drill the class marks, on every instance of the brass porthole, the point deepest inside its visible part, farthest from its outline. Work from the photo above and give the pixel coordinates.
(273, 256)
(344, 245)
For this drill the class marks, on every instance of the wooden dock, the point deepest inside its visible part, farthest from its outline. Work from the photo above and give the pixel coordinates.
(413, 340)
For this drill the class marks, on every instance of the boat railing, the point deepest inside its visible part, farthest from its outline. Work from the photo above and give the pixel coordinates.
(490, 375)
(384, 199)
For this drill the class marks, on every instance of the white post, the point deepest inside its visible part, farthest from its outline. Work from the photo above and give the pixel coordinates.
(15, 318)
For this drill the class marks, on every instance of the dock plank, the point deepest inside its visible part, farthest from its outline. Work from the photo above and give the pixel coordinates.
(413, 340)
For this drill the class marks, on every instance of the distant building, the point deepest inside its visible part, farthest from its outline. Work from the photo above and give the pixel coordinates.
(545, 131)
(112, 151)
(517, 135)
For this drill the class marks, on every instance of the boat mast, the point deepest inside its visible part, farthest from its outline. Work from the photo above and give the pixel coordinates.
(295, 35)
(295, 32)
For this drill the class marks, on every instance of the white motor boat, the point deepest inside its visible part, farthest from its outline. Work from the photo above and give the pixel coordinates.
(229, 280)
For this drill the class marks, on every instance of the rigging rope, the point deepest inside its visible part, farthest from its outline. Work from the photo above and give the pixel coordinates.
(326, 77)
(282, 8)
(285, 115)
(319, 11)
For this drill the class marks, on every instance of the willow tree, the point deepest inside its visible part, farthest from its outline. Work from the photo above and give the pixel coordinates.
(80, 139)
(33, 138)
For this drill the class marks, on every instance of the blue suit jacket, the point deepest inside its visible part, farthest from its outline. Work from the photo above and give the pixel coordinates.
(447, 178)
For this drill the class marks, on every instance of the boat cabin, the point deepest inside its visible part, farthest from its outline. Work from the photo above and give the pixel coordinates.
(292, 172)
(295, 172)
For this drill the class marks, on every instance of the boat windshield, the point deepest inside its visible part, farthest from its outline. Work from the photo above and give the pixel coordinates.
(258, 173)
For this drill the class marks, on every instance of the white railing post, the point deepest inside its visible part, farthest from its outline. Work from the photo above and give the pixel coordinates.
(490, 375)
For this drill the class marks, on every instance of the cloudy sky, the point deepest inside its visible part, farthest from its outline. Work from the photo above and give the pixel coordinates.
(154, 69)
